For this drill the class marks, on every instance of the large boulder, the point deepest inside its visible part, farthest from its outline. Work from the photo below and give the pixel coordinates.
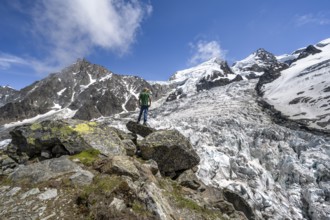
(120, 165)
(171, 150)
(45, 170)
(139, 129)
(189, 179)
(50, 139)
(239, 203)
(53, 137)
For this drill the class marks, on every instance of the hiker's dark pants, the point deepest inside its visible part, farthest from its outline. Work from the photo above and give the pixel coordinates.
(143, 109)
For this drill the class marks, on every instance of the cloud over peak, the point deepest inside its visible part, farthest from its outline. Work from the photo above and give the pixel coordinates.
(320, 18)
(67, 30)
(74, 27)
(205, 50)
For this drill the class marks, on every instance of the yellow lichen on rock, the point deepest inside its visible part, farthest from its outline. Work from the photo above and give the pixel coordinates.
(31, 140)
(35, 126)
(62, 131)
(92, 123)
(84, 128)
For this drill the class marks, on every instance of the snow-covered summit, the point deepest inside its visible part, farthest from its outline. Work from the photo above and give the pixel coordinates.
(212, 73)
(302, 92)
(255, 64)
(198, 71)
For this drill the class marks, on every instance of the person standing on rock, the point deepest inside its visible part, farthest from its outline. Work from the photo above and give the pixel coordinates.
(144, 102)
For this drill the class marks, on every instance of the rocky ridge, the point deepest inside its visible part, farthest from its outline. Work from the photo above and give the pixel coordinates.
(257, 63)
(84, 90)
(7, 94)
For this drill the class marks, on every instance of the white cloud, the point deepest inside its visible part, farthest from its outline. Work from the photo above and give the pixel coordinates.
(316, 19)
(7, 60)
(67, 30)
(204, 50)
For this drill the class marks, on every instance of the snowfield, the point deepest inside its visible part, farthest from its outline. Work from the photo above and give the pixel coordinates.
(302, 92)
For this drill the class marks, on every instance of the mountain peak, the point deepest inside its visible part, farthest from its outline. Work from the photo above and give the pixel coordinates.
(264, 55)
(81, 62)
(255, 64)
(214, 60)
(7, 87)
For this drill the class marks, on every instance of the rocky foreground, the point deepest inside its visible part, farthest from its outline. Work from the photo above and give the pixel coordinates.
(72, 169)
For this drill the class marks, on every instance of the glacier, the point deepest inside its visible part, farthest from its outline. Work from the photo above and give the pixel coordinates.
(282, 173)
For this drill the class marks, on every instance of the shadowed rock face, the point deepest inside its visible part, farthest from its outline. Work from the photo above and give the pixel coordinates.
(310, 50)
(55, 138)
(217, 78)
(171, 150)
(7, 94)
(257, 64)
(269, 76)
(239, 203)
(139, 129)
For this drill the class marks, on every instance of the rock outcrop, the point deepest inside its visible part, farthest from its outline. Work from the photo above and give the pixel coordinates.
(95, 185)
(171, 150)
(45, 170)
(257, 64)
(218, 78)
(7, 94)
(55, 138)
(139, 129)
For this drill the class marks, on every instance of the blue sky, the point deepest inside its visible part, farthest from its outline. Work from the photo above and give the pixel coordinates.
(149, 38)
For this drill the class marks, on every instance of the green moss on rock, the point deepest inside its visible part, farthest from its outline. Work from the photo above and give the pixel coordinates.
(36, 126)
(140, 209)
(87, 157)
(102, 186)
(174, 191)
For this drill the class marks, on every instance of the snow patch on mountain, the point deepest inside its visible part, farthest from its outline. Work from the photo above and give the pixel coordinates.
(56, 113)
(287, 58)
(91, 82)
(302, 92)
(61, 92)
(4, 143)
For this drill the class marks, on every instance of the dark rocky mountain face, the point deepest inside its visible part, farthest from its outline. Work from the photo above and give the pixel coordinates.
(217, 78)
(257, 63)
(90, 90)
(304, 52)
(310, 50)
(7, 94)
